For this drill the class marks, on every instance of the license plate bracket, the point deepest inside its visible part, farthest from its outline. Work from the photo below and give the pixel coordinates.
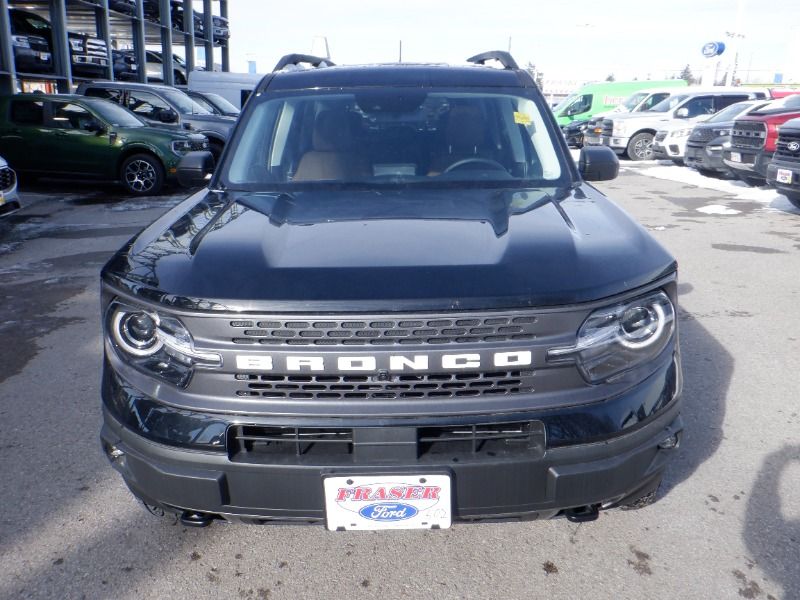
(736, 157)
(784, 175)
(388, 501)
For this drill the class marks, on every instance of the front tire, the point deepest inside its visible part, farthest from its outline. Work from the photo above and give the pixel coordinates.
(794, 198)
(142, 175)
(640, 147)
(216, 149)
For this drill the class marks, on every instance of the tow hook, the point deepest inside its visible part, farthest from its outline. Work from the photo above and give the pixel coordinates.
(195, 519)
(583, 514)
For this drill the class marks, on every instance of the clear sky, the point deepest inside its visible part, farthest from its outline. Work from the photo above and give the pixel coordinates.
(565, 39)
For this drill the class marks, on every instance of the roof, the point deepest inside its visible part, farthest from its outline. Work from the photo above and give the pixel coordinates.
(128, 85)
(398, 74)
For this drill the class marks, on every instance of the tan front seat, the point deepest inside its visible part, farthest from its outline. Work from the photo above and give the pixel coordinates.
(331, 156)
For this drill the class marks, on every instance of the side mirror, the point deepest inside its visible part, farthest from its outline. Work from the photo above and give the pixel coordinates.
(598, 163)
(195, 168)
(167, 115)
(93, 125)
(682, 113)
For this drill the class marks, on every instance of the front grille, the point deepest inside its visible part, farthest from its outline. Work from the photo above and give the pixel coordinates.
(38, 43)
(661, 136)
(7, 178)
(782, 150)
(608, 127)
(267, 443)
(95, 47)
(386, 387)
(702, 134)
(748, 134)
(385, 332)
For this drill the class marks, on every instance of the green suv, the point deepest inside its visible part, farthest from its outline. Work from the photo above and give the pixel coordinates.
(76, 136)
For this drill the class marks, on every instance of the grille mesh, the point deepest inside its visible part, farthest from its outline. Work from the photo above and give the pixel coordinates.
(385, 332)
(781, 147)
(748, 134)
(702, 134)
(363, 387)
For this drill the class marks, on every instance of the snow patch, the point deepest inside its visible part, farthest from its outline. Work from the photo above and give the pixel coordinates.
(718, 209)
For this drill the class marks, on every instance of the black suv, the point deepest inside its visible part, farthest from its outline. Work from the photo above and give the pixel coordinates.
(783, 172)
(164, 105)
(396, 303)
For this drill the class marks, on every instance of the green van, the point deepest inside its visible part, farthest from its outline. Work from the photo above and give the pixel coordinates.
(595, 98)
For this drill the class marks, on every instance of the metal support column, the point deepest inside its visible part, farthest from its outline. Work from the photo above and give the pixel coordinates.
(226, 53)
(137, 25)
(188, 37)
(208, 26)
(8, 80)
(104, 33)
(166, 41)
(61, 54)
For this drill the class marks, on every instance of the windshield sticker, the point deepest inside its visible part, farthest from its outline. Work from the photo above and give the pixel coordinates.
(522, 118)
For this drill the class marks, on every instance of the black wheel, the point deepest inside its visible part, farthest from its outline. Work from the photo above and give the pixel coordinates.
(142, 175)
(215, 148)
(641, 147)
(794, 198)
(179, 78)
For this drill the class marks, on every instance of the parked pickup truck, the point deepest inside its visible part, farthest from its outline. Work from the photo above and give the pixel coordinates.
(783, 172)
(754, 139)
(632, 134)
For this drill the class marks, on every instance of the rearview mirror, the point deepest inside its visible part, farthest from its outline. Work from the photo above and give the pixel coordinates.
(598, 163)
(195, 168)
(682, 113)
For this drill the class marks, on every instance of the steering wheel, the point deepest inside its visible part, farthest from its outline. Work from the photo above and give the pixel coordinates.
(465, 161)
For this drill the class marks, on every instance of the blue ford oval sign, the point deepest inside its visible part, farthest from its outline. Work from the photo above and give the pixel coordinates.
(712, 49)
(388, 511)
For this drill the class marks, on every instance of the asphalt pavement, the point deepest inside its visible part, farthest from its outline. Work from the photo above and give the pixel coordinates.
(727, 524)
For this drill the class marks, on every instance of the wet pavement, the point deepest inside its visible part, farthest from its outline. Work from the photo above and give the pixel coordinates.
(727, 524)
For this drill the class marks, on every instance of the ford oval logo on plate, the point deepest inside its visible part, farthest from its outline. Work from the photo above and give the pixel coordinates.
(388, 511)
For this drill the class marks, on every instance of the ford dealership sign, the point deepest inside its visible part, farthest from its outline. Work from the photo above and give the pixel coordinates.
(712, 49)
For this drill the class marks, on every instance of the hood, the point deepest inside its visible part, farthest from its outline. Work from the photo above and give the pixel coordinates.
(164, 133)
(666, 116)
(212, 119)
(396, 249)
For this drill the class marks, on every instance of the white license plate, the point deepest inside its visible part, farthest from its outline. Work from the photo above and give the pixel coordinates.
(736, 157)
(784, 176)
(366, 502)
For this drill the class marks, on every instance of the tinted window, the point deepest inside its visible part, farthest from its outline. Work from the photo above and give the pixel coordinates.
(653, 100)
(145, 104)
(721, 102)
(668, 104)
(27, 112)
(702, 105)
(115, 114)
(68, 115)
(106, 93)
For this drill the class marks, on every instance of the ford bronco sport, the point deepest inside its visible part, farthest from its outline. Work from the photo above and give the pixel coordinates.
(396, 303)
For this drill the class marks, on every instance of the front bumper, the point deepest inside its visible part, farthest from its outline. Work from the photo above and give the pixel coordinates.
(670, 149)
(705, 157)
(597, 456)
(753, 163)
(792, 187)
(618, 143)
(30, 60)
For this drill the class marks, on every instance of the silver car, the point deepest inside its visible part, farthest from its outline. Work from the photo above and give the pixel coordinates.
(9, 200)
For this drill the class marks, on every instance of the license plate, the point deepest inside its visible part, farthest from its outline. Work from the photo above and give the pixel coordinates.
(784, 176)
(44, 56)
(736, 157)
(367, 502)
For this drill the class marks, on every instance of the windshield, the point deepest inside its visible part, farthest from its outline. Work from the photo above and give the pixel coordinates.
(403, 136)
(221, 103)
(731, 112)
(184, 104)
(114, 114)
(633, 100)
(668, 104)
(564, 103)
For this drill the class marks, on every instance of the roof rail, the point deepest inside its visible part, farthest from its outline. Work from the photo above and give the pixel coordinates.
(504, 58)
(298, 59)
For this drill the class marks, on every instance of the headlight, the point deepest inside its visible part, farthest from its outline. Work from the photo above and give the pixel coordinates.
(21, 41)
(722, 132)
(619, 338)
(681, 133)
(181, 146)
(619, 128)
(157, 344)
(76, 45)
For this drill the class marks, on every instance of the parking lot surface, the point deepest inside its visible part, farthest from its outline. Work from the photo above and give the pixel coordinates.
(727, 524)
